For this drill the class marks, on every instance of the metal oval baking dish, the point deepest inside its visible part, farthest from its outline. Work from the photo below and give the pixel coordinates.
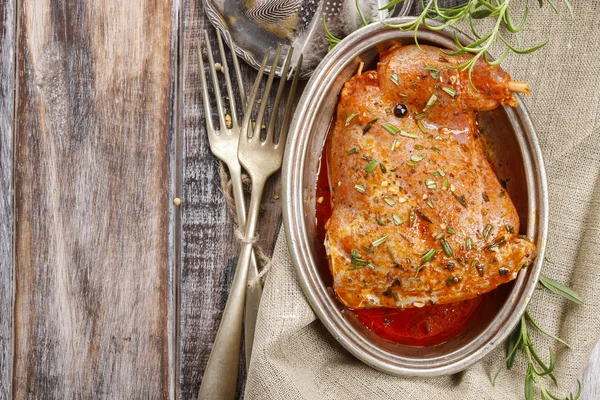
(517, 156)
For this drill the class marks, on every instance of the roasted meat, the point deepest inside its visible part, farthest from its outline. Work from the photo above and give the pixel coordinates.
(418, 215)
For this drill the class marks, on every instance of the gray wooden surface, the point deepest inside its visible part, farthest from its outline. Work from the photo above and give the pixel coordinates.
(7, 31)
(118, 293)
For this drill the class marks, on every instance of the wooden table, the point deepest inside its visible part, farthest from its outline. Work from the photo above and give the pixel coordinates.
(106, 288)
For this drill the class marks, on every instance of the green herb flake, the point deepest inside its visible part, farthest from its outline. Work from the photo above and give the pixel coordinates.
(510, 229)
(430, 183)
(411, 164)
(428, 256)
(390, 128)
(436, 149)
(395, 144)
(350, 117)
(468, 243)
(421, 127)
(389, 201)
(439, 236)
(420, 116)
(360, 188)
(412, 217)
(430, 102)
(370, 167)
(434, 72)
(380, 241)
(429, 203)
(451, 92)
(496, 243)
(447, 248)
(353, 150)
(397, 219)
(408, 134)
(394, 78)
(369, 125)
(460, 199)
(418, 158)
(379, 222)
(487, 231)
(451, 230)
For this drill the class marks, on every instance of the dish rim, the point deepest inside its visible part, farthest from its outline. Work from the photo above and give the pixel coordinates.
(298, 241)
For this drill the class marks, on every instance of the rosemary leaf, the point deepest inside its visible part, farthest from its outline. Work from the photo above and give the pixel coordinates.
(561, 290)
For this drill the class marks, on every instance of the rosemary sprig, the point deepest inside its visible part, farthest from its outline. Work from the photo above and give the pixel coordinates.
(537, 370)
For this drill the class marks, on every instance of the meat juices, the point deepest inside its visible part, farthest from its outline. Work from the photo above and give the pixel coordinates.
(418, 215)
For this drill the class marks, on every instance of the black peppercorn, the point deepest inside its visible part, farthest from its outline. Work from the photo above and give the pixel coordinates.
(400, 110)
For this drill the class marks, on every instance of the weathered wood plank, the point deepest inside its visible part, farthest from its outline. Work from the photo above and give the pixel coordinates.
(92, 174)
(7, 73)
(209, 249)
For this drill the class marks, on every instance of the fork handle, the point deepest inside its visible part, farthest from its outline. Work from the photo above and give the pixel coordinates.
(220, 376)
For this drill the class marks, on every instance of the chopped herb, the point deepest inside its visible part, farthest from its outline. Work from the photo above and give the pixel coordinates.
(408, 134)
(451, 231)
(434, 72)
(395, 143)
(496, 243)
(404, 96)
(390, 128)
(417, 158)
(446, 183)
(419, 269)
(421, 127)
(369, 125)
(382, 167)
(439, 236)
(485, 197)
(397, 219)
(460, 199)
(381, 240)
(425, 217)
(420, 116)
(371, 166)
(510, 229)
(436, 149)
(411, 164)
(379, 222)
(418, 147)
(429, 203)
(370, 265)
(428, 256)
(352, 151)
(350, 117)
(430, 183)
(451, 92)
(487, 231)
(412, 217)
(452, 280)
(389, 201)
(360, 188)
(468, 243)
(447, 248)
(394, 78)
(430, 102)
(368, 250)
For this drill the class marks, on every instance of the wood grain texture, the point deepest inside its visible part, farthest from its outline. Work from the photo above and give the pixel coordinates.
(92, 199)
(7, 73)
(209, 248)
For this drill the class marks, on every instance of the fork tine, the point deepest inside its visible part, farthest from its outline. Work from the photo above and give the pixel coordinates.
(232, 108)
(215, 80)
(285, 126)
(265, 98)
(238, 73)
(250, 103)
(205, 100)
(282, 83)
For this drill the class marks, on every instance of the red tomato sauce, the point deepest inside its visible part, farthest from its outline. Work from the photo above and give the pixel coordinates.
(425, 326)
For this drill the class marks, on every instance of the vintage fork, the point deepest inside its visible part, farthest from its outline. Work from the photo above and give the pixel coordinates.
(224, 144)
(260, 159)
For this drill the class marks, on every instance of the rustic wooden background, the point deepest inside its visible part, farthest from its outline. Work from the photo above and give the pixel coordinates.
(106, 289)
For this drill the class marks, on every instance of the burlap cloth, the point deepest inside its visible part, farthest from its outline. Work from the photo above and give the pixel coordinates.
(296, 358)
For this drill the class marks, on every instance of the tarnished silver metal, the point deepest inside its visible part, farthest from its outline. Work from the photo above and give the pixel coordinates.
(260, 158)
(258, 25)
(224, 144)
(517, 156)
